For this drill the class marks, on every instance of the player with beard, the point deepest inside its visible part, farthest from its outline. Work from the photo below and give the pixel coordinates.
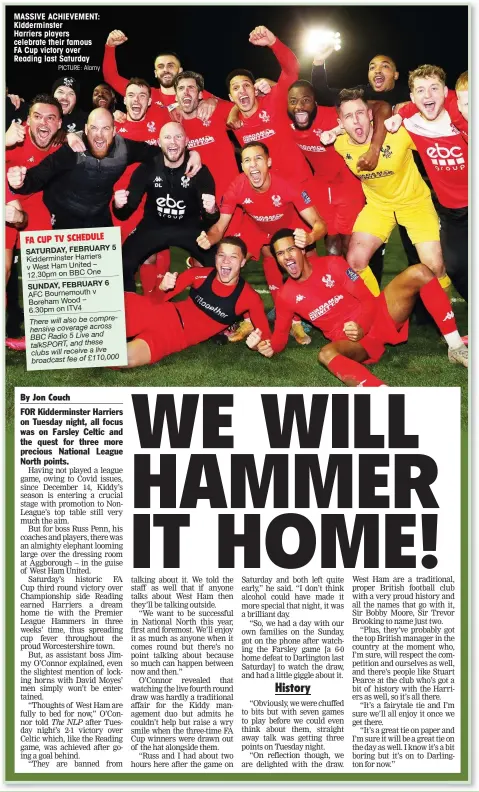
(330, 294)
(167, 67)
(395, 192)
(177, 207)
(66, 90)
(217, 298)
(444, 152)
(341, 193)
(209, 138)
(78, 186)
(26, 146)
(104, 96)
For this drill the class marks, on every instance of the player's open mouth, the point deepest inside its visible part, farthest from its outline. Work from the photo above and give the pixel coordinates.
(292, 267)
(301, 118)
(379, 80)
(99, 144)
(429, 106)
(172, 152)
(244, 100)
(65, 104)
(359, 132)
(136, 108)
(42, 134)
(255, 176)
(187, 102)
(225, 272)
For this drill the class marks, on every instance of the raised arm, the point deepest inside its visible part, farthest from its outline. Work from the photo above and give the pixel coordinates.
(110, 71)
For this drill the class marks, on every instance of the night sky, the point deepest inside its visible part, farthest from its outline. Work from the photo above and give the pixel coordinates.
(214, 40)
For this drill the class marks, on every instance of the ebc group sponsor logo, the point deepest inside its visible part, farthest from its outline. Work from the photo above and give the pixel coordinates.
(443, 156)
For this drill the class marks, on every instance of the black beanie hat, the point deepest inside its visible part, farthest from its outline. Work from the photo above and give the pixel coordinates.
(68, 82)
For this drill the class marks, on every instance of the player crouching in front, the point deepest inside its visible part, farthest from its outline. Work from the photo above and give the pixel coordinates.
(330, 295)
(218, 298)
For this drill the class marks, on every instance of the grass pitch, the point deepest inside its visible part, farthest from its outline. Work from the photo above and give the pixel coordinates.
(421, 362)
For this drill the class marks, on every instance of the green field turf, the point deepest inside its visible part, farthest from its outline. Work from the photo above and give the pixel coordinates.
(421, 362)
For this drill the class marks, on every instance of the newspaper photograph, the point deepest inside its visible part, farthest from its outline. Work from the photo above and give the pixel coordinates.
(225, 564)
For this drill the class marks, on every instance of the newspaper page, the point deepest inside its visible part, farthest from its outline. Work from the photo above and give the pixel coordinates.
(222, 566)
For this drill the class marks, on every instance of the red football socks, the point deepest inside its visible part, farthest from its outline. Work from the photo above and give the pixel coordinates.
(438, 304)
(352, 373)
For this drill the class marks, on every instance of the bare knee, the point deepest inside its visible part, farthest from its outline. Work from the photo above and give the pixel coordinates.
(357, 259)
(327, 353)
(420, 274)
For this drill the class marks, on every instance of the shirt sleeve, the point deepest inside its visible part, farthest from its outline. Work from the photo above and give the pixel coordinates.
(282, 324)
(324, 94)
(136, 190)
(183, 280)
(249, 300)
(408, 110)
(205, 183)
(289, 65)
(40, 175)
(110, 71)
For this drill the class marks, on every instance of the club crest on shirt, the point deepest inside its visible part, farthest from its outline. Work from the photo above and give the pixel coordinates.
(151, 126)
(276, 200)
(264, 116)
(318, 132)
(206, 122)
(185, 181)
(328, 281)
(386, 151)
(68, 81)
(71, 127)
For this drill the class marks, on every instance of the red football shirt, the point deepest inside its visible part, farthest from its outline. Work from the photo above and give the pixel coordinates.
(27, 154)
(211, 141)
(444, 153)
(332, 295)
(276, 208)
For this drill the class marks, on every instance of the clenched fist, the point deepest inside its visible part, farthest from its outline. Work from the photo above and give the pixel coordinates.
(115, 38)
(262, 37)
(209, 203)
(301, 238)
(121, 198)
(168, 282)
(203, 242)
(13, 215)
(16, 176)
